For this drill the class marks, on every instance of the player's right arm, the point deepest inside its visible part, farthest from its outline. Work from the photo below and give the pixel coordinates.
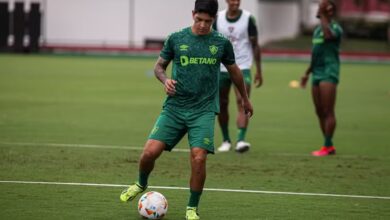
(228, 60)
(238, 81)
(160, 72)
(160, 68)
(305, 77)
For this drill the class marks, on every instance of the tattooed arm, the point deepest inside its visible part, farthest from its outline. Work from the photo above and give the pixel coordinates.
(160, 72)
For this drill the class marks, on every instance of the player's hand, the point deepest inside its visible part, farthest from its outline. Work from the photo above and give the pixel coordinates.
(324, 8)
(170, 87)
(258, 80)
(304, 81)
(248, 108)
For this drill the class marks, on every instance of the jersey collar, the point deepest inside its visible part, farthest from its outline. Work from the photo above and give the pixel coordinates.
(232, 20)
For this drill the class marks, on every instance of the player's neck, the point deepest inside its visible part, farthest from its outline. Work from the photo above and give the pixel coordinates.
(232, 14)
(195, 32)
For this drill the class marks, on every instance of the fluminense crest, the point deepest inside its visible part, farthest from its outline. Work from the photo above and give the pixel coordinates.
(213, 49)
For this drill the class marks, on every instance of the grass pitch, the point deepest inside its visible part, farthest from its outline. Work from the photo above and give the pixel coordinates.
(54, 110)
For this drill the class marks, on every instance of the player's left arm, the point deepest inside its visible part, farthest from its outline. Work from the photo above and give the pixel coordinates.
(253, 38)
(331, 31)
(238, 81)
(326, 29)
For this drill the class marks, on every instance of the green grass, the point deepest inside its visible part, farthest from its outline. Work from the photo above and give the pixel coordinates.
(106, 101)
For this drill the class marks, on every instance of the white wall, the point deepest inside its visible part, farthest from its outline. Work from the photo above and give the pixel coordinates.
(157, 19)
(162, 19)
(124, 23)
(275, 20)
(87, 22)
(309, 12)
(278, 20)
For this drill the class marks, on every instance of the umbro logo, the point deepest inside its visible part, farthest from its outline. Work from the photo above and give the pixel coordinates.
(184, 47)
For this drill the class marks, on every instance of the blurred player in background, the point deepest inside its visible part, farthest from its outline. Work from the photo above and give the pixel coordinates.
(325, 68)
(239, 26)
(192, 102)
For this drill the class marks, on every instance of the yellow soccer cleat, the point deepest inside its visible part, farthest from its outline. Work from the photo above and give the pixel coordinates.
(131, 192)
(192, 213)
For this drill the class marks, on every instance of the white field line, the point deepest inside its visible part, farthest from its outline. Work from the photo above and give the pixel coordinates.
(205, 189)
(115, 147)
(135, 148)
(118, 147)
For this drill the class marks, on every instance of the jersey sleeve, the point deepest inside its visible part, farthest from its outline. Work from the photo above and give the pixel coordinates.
(252, 29)
(167, 52)
(336, 30)
(228, 56)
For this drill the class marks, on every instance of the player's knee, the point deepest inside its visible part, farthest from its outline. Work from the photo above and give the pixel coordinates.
(198, 159)
(198, 163)
(148, 155)
(327, 112)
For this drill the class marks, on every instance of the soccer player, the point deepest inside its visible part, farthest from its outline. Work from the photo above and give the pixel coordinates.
(325, 68)
(196, 53)
(239, 27)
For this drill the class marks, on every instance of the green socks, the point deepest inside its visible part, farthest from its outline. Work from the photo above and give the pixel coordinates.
(194, 198)
(225, 132)
(328, 141)
(241, 134)
(143, 179)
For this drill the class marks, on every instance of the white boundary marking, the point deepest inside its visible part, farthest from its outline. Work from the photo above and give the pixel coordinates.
(118, 147)
(165, 187)
(205, 189)
(135, 148)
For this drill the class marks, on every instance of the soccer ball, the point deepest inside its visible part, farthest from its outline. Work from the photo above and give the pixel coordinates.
(152, 205)
(294, 84)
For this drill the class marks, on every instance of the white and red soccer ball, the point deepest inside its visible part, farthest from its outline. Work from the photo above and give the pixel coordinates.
(152, 205)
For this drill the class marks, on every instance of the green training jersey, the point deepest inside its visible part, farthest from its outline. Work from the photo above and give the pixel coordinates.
(196, 63)
(325, 53)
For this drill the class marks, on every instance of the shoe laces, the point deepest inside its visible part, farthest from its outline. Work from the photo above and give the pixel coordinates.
(192, 212)
(136, 187)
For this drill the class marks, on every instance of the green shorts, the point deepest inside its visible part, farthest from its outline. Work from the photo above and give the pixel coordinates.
(329, 74)
(225, 81)
(172, 125)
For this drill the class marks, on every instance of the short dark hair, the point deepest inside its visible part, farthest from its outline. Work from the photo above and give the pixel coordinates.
(206, 6)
